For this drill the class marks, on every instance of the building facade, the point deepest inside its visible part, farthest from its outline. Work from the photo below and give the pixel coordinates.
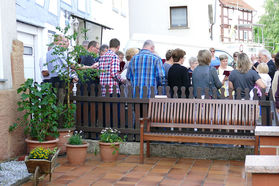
(236, 21)
(191, 25)
(37, 21)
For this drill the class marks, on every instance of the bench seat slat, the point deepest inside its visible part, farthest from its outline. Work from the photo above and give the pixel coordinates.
(203, 126)
(214, 139)
(199, 135)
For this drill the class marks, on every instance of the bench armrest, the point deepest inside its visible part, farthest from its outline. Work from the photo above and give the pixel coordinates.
(142, 123)
(144, 119)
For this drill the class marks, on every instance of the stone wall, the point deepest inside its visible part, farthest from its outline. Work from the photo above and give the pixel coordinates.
(221, 152)
(12, 144)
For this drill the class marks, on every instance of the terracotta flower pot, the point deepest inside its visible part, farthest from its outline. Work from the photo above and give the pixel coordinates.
(76, 154)
(50, 144)
(64, 135)
(106, 151)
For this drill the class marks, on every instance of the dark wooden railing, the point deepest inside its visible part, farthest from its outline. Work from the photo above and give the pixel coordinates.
(95, 112)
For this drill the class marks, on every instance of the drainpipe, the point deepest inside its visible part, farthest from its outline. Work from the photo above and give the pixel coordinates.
(214, 21)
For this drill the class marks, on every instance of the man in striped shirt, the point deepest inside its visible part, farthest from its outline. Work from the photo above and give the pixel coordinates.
(109, 66)
(146, 69)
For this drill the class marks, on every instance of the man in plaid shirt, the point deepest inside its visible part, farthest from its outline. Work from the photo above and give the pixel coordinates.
(146, 69)
(109, 65)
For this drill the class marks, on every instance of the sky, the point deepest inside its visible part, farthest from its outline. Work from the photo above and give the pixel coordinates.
(258, 5)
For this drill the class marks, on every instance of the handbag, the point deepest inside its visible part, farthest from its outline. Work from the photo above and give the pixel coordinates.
(212, 83)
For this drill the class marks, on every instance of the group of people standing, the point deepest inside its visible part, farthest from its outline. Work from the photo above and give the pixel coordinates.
(210, 71)
(145, 69)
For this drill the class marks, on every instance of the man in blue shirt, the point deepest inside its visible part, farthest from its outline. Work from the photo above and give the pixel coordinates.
(146, 70)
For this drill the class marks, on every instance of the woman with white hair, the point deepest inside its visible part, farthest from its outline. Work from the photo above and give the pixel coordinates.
(244, 77)
(265, 57)
(193, 62)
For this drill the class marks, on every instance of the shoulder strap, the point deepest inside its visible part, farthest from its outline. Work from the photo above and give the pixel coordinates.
(210, 77)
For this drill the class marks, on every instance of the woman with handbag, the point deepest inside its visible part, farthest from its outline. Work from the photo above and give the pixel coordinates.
(205, 76)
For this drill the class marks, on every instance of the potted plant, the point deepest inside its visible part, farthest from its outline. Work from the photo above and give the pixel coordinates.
(109, 144)
(76, 149)
(67, 119)
(41, 161)
(38, 102)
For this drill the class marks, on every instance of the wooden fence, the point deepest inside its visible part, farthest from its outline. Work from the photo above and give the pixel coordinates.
(95, 112)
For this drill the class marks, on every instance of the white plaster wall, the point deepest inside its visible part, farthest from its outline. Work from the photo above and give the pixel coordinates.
(151, 20)
(103, 13)
(153, 17)
(8, 34)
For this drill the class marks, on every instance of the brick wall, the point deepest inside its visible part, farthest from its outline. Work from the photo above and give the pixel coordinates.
(12, 144)
(269, 145)
(269, 139)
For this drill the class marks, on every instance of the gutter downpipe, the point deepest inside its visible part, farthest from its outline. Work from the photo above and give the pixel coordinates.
(211, 27)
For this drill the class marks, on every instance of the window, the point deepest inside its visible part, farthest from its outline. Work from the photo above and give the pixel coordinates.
(178, 17)
(53, 7)
(40, 2)
(50, 37)
(100, 1)
(116, 4)
(69, 2)
(28, 51)
(245, 35)
(124, 7)
(82, 5)
(249, 17)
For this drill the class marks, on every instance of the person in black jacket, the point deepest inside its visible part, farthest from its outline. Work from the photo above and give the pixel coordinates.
(178, 74)
(265, 57)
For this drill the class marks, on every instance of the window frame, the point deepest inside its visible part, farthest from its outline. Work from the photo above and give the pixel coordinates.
(179, 27)
(245, 35)
(50, 9)
(40, 3)
(114, 6)
(100, 1)
(68, 2)
(80, 8)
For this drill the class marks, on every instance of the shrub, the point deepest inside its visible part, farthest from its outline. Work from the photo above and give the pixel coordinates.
(76, 139)
(109, 135)
(38, 102)
(42, 153)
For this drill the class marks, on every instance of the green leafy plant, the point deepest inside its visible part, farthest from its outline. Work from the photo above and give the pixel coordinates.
(42, 153)
(73, 54)
(109, 135)
(76, 139)
(41, 113)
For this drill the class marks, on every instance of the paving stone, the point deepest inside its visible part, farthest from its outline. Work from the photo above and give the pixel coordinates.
(157, 171)
(172, 182)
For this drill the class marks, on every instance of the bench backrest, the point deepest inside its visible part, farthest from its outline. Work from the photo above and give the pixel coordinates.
(231, 114)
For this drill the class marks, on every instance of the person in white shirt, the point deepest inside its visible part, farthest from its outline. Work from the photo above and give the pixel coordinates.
(262, 69)
(224, 76)
(43, 68)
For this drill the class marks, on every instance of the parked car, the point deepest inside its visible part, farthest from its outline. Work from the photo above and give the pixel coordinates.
(221, 52)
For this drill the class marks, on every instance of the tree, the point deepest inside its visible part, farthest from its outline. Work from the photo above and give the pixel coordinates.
(270, 20)
(72, 55)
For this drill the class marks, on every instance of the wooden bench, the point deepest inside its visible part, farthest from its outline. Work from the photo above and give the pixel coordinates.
(200, 121)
